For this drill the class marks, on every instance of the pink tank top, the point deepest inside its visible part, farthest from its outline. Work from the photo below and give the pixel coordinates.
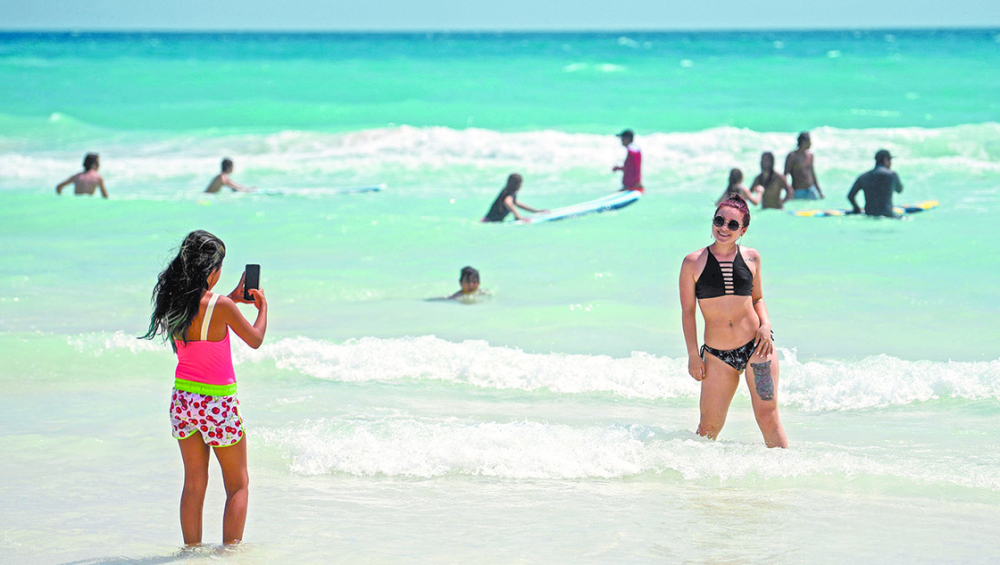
(205, 367)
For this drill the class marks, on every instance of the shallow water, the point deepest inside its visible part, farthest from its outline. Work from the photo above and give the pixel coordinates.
(553, 420)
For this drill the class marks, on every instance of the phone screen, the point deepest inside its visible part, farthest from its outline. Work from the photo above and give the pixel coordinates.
(251, 281)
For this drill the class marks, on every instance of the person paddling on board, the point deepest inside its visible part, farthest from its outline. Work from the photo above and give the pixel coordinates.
(632, 168)
(799, 165)
(88, 181)
(878, 185)
(222, 179)
(506, 202)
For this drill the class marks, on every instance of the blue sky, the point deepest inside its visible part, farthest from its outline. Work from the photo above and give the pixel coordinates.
(514, 15)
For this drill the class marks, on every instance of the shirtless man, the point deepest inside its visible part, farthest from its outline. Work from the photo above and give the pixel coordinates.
(222, 179)
(799, 164)
(87, 181)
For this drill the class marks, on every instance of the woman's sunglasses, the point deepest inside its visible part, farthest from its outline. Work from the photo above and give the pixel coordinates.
(733, 225)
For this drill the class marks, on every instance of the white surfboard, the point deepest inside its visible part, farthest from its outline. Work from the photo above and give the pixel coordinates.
(612, 201)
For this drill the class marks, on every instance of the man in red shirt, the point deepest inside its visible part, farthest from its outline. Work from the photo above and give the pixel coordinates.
(632, 168)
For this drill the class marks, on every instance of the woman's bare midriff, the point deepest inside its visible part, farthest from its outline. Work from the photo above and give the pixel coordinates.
(730, 321)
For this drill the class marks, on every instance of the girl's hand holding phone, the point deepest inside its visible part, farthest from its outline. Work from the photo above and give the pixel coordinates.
(259, 301)
(237, 294)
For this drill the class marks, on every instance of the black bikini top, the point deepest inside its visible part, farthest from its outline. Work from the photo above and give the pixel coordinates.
(723, 278)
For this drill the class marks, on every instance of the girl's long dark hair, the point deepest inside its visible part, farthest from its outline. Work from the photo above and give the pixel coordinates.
(766, 182)
(178, 289)
(735, 178)
(513, 185)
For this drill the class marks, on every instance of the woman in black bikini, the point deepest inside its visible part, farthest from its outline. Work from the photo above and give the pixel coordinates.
(725, 280)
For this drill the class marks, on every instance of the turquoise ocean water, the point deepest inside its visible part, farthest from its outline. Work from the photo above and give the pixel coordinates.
(553, 421)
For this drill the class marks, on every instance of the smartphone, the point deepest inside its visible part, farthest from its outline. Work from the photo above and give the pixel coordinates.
(251, 280)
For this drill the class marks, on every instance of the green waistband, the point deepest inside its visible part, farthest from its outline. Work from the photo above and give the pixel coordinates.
(206, 389)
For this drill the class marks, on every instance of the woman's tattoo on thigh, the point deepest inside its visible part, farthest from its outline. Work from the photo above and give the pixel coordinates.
(762, 378)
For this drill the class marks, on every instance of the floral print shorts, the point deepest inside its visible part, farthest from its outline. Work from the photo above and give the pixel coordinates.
(216, 418)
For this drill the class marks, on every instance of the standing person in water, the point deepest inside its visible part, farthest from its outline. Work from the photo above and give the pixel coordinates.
(724, 279)
(799, 164)
(736, 188)
(506, 202)
(87, 181)
(772, 183)
(632, 168)
(222, 179)
(878, 185)
(204, 411)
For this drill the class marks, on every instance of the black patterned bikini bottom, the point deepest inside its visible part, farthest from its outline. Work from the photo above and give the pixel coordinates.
(735, 358)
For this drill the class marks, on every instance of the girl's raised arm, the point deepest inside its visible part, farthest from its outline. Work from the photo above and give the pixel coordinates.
(253, 334)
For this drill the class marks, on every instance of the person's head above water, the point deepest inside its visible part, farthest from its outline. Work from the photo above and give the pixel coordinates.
(91, 162)
(513, 184)
(469, 279)
(883, 157)
(626, 136)
(227, 165)
(766, 161)
(735, 178)
(738, 206)
(804, 140)
(178, 289)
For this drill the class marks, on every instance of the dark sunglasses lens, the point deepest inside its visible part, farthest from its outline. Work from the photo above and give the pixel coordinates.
(719, 221)
(734, 225)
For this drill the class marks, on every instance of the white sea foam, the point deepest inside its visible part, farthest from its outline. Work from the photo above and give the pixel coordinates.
(433, 160)
(822, 385)
(526, 449)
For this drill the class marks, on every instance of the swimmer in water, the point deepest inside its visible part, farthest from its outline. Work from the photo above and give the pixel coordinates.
(88, 181)
(469, 280)
(736, 188)
(222, 179)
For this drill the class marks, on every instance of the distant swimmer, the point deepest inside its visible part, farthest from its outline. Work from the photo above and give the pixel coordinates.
(878, 185)
(772, 183)
(736, 188)
(799, 164)
(222, 179)
(506, 202)
(469, 281)
(632, 168)
(87, 181)
(724, 280)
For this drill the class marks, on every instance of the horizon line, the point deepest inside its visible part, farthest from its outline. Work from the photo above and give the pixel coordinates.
(408, 31)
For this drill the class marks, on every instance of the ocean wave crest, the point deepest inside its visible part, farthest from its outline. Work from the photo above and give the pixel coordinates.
(816, 385)
(537, 450)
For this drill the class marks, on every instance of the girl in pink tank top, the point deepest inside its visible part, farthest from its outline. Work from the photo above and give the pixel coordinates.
(204, 410)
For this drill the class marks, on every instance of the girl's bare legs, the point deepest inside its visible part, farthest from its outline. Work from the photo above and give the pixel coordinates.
(233, 460)
(195, 454)
(762, 379)
(717, 390)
